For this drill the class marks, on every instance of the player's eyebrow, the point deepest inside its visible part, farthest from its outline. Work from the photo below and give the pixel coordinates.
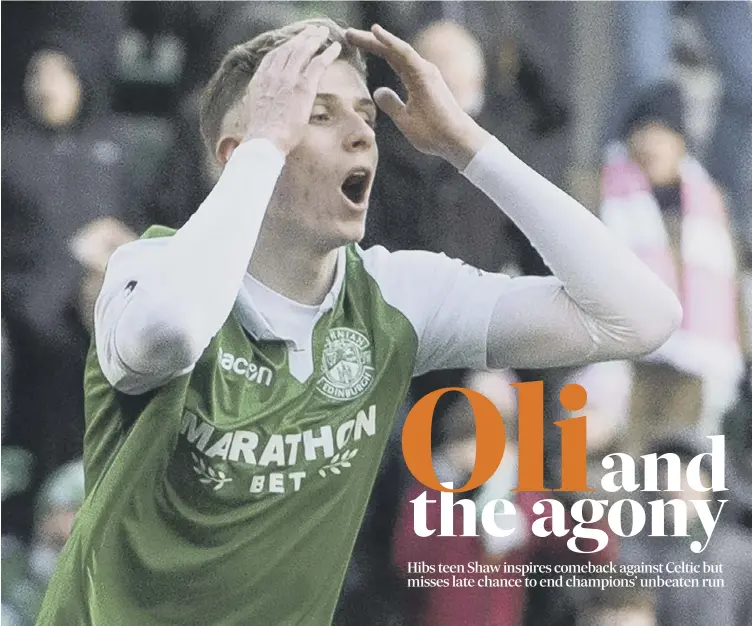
(363, 104)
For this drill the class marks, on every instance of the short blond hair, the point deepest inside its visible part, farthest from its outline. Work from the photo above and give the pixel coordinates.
(228, 84)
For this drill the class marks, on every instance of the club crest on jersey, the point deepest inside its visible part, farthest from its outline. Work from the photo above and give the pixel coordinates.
(347, 365)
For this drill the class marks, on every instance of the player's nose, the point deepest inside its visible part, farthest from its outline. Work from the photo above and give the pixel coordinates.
(360, 136)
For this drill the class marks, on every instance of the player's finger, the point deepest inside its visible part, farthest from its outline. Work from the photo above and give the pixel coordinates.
(406, 69)
(279, 57)
(267, 61)
(390, 103)
(320, 62)
(400, 47)
(305, 48)
(367, 41)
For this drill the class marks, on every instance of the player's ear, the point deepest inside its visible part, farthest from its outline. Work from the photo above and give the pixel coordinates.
(225, 147)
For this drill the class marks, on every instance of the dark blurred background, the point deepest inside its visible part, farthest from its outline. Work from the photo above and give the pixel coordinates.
(641, 110)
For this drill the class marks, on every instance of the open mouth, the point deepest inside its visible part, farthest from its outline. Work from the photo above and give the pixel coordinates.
(356, 185)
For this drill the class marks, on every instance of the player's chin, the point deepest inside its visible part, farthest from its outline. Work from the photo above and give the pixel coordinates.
(354, 232)
(351, 230)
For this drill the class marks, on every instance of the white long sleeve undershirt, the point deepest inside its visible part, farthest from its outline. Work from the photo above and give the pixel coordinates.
(603, 303)
(164, 299)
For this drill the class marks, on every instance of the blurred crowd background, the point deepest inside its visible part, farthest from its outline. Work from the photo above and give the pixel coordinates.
(641, 110)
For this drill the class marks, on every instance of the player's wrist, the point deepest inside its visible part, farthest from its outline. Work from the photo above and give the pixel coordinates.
(464, 142)
(279, 139)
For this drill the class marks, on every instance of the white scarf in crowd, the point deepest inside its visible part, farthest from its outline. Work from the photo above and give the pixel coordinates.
(708, 343)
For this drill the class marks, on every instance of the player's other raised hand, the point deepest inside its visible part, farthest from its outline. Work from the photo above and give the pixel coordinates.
(431, 119)
(280, 96)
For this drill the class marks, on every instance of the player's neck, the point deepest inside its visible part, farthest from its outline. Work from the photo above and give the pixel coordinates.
(296, 271)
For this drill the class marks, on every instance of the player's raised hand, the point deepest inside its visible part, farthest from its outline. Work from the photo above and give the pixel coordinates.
(277, 105)
(431, 119)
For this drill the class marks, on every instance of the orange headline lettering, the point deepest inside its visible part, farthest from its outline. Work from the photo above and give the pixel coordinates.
(490, 439)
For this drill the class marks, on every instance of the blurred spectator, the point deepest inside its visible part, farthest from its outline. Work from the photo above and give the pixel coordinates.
(151, 55)
(664, 205)
(646, 30)
(25, 575)
(63, 169)
(531, 28)
(459, 57)
(24, 23)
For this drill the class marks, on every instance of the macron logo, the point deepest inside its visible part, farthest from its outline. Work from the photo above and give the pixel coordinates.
(243, 367)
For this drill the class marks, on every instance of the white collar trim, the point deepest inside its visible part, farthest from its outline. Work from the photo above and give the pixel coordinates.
(254, 321)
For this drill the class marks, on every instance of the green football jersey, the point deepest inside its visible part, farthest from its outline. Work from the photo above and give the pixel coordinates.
(233, 494)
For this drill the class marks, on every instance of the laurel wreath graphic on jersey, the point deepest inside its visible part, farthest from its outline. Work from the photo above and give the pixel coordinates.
(338, 461)
(208, 475)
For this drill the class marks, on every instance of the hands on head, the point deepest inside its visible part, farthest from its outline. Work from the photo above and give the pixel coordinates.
(431, 119)
(281, 94)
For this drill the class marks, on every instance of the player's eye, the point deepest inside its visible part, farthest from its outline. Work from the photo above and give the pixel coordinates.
(320, 118)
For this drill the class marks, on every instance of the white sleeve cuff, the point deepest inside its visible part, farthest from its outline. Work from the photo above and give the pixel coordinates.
(487, 158)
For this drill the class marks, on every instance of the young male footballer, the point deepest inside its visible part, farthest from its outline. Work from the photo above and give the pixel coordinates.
(247, 367)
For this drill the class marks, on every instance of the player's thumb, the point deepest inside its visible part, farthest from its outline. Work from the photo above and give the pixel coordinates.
(390, 103)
